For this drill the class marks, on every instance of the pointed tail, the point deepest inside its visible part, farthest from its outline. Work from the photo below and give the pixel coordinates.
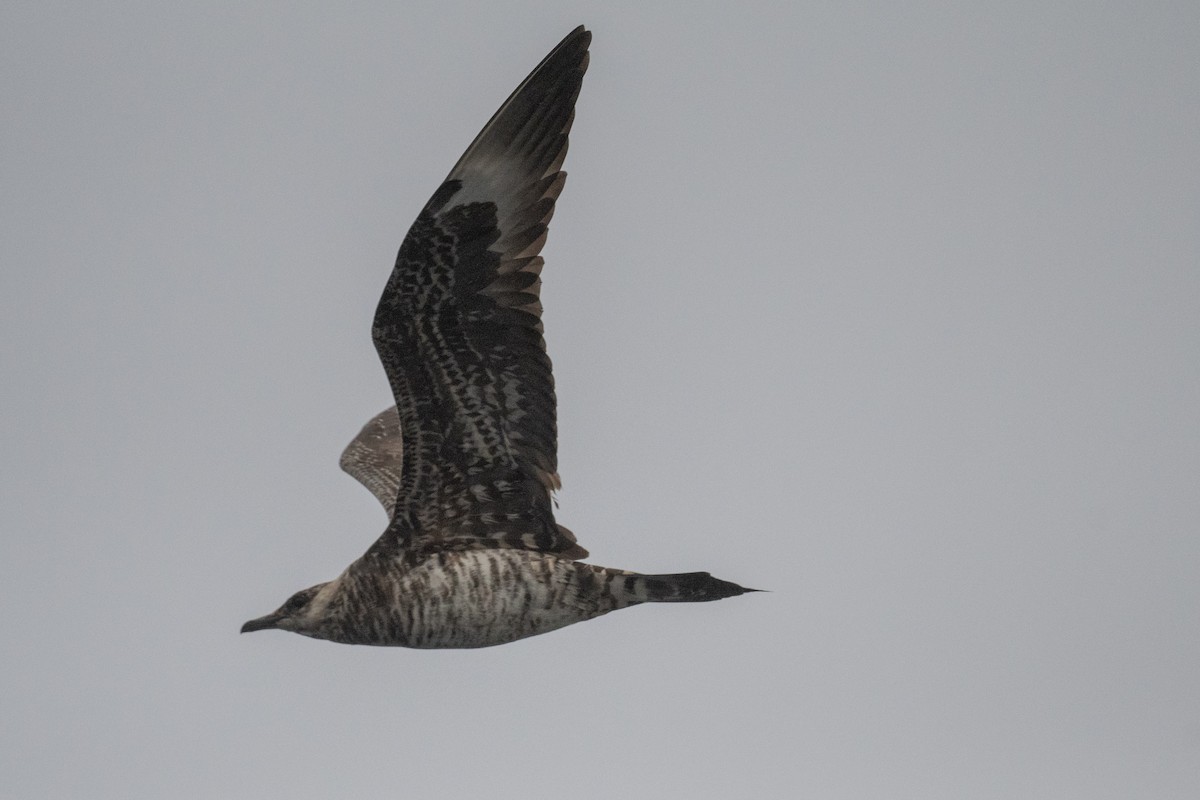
(685, 587)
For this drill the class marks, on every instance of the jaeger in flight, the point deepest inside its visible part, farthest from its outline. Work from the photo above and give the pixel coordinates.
(466, 462)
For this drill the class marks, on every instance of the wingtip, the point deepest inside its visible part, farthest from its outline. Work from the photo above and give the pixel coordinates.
(580, 40)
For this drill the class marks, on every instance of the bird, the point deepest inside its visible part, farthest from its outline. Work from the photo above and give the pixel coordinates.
(465, 463)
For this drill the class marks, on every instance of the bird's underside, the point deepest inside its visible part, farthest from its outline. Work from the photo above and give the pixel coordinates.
(466, 461)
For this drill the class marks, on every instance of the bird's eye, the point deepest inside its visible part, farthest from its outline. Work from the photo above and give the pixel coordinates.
(295, 603)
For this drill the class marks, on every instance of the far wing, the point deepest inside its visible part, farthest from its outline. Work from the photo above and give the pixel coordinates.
(374, 457)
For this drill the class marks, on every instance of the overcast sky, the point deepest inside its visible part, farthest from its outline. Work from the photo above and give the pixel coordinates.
(892, 310)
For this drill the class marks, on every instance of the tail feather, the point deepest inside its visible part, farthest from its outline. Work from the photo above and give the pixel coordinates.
(685, 587)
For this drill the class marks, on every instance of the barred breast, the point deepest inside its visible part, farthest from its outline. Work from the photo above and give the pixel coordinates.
(467, 598)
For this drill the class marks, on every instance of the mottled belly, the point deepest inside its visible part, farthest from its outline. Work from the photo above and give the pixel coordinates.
(473, 598)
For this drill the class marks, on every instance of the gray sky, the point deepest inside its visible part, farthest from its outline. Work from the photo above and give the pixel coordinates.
(890, 310)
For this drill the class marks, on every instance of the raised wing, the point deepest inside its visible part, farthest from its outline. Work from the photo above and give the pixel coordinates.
(459, 330)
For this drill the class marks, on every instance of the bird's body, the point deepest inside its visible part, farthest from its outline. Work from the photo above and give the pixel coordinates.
(466, 462)
(460, 598)
(469, 597)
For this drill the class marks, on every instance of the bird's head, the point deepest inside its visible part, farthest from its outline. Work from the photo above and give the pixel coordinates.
(301, 613)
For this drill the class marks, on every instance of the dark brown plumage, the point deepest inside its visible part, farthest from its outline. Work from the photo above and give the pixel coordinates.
(466, 462)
